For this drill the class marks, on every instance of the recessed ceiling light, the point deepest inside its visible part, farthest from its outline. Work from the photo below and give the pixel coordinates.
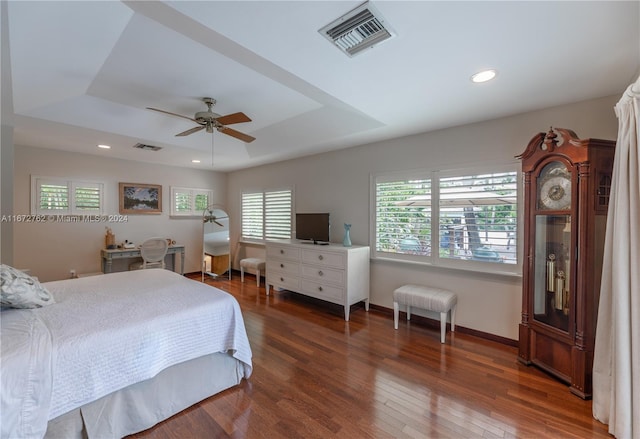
(195, 161)
(484, 76)
(104, 146)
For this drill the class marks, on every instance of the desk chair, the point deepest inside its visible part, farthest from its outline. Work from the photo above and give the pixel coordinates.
(153, 251)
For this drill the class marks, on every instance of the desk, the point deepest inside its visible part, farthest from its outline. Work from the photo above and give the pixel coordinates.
(121, 253)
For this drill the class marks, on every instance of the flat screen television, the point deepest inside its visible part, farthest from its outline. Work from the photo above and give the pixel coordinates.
(312, 227)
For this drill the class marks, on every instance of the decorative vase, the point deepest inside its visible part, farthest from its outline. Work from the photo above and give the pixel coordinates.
(347, 235)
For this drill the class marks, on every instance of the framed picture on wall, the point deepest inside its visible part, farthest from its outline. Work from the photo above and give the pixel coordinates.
(140, 199)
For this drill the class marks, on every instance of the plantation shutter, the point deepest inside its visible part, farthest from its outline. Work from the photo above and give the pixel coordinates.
(277, 220)
(52, 197)
(181, 202)
(201, 201)
(478, 217)
(189, 201)
(252, 215)
(403, 216)
(87, 198)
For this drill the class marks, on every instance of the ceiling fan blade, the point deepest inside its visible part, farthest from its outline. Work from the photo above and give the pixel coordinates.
(172, 114)
(237, 134)
(191, 131)
(233, 118)
(220, 224)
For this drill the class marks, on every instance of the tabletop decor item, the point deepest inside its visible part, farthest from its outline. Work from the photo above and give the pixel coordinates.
(110, 239)
(347, 235)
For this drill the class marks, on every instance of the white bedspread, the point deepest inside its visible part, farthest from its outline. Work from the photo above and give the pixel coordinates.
(108, 332)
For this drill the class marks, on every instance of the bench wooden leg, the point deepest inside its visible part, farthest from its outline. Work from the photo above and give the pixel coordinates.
(241, 274)
(443, 326)
(258, 278)
(396, 312)
(408, 312)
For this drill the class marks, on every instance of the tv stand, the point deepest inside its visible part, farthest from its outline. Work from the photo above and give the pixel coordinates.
(333, 272)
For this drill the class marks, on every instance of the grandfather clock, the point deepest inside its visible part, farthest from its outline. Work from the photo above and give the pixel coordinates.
(566, 196)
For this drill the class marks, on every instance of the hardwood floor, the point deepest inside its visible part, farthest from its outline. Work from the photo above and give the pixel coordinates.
(317, 376)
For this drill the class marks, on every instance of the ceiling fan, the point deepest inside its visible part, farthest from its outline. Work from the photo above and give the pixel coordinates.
(208, 120)
(209, 217)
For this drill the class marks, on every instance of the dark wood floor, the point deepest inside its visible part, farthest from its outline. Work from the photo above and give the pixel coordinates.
(317, 376)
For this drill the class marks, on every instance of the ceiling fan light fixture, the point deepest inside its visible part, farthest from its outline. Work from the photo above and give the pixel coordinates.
(484, 76)
(208, 121)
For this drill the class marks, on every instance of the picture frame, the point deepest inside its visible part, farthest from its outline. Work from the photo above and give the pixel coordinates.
(140, 199)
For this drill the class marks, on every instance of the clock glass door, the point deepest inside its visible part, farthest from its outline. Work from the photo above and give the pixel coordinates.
(552, 270)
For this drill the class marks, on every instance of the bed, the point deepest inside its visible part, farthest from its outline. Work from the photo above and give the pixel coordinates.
(117, 353)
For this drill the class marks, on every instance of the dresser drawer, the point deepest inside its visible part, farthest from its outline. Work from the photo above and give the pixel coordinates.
(324, 258)
(282, 266)
(322, 274)
(283, 252)
(322, 291)
(285, 281)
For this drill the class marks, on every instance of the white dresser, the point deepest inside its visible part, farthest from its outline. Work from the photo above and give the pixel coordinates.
(331, 272)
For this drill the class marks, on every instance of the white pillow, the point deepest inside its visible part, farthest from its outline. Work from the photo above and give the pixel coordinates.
(20, 290)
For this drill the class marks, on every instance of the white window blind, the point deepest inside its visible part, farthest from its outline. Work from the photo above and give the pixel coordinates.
(189, 201)
(87, 197)
(66, 197)
(277, 214)
(461, 219)
(266, 215)
(252, 215)
(52, 197)
(403, 216)
(478, 217)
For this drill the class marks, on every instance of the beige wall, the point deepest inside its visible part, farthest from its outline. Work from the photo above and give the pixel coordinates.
(50, 250)
(338, 182)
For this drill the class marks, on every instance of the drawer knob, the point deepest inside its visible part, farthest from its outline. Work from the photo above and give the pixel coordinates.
(281, 251)
(320, 273)
(281, 279)
(320, 257)
(281, 265)
(319, 288)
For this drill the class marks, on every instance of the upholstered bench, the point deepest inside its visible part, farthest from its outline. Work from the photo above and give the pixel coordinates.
(432, 299)
(255, 264)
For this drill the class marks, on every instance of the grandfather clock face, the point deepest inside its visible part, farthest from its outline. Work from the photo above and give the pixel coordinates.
(554, 187)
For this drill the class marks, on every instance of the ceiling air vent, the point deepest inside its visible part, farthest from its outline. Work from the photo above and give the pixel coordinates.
(147, 147)
(358, 30)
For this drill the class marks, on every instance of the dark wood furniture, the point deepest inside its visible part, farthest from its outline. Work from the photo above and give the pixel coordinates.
(566, 196)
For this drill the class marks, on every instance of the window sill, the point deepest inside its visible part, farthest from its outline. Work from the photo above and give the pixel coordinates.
(254, 243)
(483, 270)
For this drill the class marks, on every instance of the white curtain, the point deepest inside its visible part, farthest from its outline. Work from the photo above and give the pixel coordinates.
(616, 365)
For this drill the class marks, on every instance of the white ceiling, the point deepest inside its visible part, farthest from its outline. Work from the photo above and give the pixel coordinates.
(82, 72)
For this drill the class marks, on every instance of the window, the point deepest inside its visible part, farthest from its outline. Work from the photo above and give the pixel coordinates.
(189, 201)
(403, 217)
(66, 197)
(458, 219)
(266, 215)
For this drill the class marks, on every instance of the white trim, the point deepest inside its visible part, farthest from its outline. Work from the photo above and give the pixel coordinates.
(192, 193)
(71, 185)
